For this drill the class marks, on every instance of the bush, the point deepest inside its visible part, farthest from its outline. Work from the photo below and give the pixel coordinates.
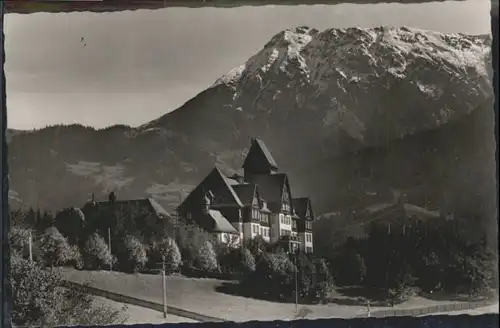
(351, 269)
(39, 300)
(96, 254)
(131, 254)
(170, 251)
(257, 246)
(247, 261)
(237, 261)
(274, 274)
(55, 249)
(19, 241)
(190, 239)
(206, 258)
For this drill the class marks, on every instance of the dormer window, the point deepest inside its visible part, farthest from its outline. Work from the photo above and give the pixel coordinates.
(285, 207)
(207, 201)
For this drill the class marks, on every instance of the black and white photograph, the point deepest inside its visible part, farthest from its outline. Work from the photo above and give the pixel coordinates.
(184, 165)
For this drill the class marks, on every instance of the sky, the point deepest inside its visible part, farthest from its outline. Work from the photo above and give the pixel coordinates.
(139, 65)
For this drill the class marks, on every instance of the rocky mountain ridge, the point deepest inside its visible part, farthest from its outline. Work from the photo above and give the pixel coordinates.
(322, 101)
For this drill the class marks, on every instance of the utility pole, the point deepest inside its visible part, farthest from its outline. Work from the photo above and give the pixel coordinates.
(30, 246)
(109, 246)
(164, 284)
(296, 284)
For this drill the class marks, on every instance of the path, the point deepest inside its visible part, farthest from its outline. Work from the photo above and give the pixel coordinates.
(479, 311)
(200, 296)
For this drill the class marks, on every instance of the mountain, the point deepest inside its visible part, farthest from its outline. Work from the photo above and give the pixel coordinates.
(349, 113)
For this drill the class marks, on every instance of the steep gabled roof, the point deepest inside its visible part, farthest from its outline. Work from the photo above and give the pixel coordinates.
(270, 188)
(144, 203)
(258, 146)
(220, 223)
(228, 183)
(266, 152)
(217, 177)
(245, 192)
(300, 205)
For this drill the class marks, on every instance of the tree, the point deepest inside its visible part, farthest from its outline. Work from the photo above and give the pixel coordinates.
(190, 239)
(247, 261)
(206, 258)
(132, 254)
(18, 241)
(257, 245)
(71, 223)
(351, 269)
(274, 274)
(96, 254)
(39, 300)
(55, 249)
(171, 253)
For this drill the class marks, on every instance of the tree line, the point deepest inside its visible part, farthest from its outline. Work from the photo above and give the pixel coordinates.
(425, 256)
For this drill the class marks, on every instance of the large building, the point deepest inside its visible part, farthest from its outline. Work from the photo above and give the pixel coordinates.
(257, 203)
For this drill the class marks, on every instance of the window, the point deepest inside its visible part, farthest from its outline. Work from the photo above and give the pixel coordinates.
(188, 215)
(309, 225)
(285, 207)
(264, 218)
(261, 231)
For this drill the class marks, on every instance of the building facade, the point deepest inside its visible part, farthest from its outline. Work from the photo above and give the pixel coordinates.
(256, 203)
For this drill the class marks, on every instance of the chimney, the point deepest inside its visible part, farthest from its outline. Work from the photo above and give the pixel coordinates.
(93, 199)
(112, 197)
(238, 177)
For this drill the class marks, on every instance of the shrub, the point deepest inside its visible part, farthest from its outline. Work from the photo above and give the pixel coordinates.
(19, 241)
(190, 239)
(324, 283)
(257, 246)
(206, 259)
(247, 261)
(351, 269)
(131, 254)
(96, 254)
(170, 251)
(39, 300)
(274, 273)
(55, 249)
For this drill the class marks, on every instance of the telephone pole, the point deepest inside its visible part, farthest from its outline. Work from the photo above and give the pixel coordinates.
(109, 246)
(164, 284)
(296, 284)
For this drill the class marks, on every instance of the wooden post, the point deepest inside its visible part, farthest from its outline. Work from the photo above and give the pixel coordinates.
(296, 285)
(164, 284)
(109, 246)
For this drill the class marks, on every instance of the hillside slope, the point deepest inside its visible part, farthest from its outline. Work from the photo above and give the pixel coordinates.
(338, 108)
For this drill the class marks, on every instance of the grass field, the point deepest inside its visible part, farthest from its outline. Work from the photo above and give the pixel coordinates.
(137, 315)
(200, 295)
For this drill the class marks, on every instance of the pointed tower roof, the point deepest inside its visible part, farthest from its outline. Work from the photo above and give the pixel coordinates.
(259, 148)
